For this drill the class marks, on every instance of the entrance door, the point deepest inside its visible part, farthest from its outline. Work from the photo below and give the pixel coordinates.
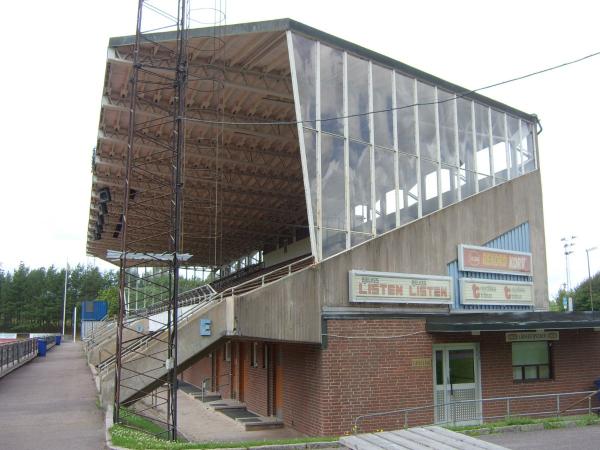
(456, 378)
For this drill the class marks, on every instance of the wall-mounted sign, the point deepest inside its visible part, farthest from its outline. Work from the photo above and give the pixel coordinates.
(385, 287)
(495, 292)
(528, 336)
(420, 363)
(491, 260)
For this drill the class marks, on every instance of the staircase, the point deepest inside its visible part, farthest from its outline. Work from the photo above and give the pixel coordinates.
(143, 359)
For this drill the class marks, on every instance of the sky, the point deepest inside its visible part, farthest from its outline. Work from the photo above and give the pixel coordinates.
(54, 56)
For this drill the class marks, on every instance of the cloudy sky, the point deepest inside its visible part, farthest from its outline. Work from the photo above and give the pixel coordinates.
(53, 69)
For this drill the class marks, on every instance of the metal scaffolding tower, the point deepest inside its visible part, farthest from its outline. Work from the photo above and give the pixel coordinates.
(151, 226)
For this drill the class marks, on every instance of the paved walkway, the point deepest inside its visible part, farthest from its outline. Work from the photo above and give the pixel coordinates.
(580, 438)
(50, 404)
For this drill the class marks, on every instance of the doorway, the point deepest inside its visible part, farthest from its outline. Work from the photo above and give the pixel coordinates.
(456, 379)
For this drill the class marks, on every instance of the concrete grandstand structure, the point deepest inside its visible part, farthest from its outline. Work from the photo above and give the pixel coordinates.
(379, 246)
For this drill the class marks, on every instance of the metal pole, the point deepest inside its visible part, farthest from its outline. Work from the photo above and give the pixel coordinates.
(65, 299)
(74, 323)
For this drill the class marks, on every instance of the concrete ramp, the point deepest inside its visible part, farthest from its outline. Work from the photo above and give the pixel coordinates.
(143, 369)
(418, 438)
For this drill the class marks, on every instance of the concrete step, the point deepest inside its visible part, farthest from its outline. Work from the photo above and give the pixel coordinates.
(263, 423)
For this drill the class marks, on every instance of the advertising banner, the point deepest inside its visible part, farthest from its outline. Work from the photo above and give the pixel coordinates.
(495, 292)
(491, 260)
(385, 287)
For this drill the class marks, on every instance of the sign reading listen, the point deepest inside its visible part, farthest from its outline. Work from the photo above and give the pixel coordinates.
(386, 287)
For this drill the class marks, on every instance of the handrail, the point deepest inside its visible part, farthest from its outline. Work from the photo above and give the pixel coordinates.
(287, 270)
(201, 301)
(557, 412)
(13, 353)
(103, 365)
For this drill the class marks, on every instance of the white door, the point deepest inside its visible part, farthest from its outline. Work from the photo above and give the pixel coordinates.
(456, 379)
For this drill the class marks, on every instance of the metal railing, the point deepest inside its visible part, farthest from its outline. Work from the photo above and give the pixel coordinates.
(207, 296)
(14, 353)
(503, 403)
(267, 278)
(137, 344)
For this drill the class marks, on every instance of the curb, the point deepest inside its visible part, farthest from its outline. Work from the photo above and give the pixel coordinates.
(523, 428)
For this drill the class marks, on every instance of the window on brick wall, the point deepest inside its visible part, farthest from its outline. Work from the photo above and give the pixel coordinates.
(531, 361)
(227, 355)
(254, 354)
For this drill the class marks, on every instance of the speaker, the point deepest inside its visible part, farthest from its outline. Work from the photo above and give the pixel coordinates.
(104, 195)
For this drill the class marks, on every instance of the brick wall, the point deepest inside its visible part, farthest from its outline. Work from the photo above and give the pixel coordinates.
(374, 375)
(303, 393)
(199, 371)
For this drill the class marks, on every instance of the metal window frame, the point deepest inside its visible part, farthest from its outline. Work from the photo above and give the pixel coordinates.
(303, 158)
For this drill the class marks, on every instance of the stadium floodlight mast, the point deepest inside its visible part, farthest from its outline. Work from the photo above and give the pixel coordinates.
(587, 251)
(568, 244)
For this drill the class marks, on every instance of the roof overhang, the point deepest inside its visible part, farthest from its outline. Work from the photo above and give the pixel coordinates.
(512, 321)
(282, 25)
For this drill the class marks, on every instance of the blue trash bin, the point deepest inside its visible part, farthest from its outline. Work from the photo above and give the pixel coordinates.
(41, 347)
(57, 339)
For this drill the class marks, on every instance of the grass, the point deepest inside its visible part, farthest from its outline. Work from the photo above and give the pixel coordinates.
(137, 433)
(548, 423)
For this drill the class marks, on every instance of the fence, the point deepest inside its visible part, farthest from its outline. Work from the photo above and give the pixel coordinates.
(13, 354)
(490, 409)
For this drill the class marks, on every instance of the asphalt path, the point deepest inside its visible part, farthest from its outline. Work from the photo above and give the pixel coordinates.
(50, 404)
(580, 438)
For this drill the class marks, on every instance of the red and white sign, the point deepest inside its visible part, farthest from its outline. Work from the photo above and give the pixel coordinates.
(385, 287)
(491, 260)
(495, 292)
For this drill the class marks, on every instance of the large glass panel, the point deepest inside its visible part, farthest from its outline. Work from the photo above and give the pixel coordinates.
(427, 136)
(360, 187)
(462, 366)
(482, 146)
(382, 101)
(499, 146)
(310, 145)
(447, 120)
(358, 238)
(333, 242)
(385, 190)
(332, 90)
(449, 176)
(514, 146)
(409, 190)
(332, 182)
(305, 59)
(429, 186)
(358, 98)
(405, 114)
(527, 147)
(465, 135)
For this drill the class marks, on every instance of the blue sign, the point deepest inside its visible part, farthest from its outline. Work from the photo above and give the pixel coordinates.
(565, 303)
(205, 327)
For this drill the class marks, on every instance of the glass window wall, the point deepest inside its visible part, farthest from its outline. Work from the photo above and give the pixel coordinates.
(363, 179)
